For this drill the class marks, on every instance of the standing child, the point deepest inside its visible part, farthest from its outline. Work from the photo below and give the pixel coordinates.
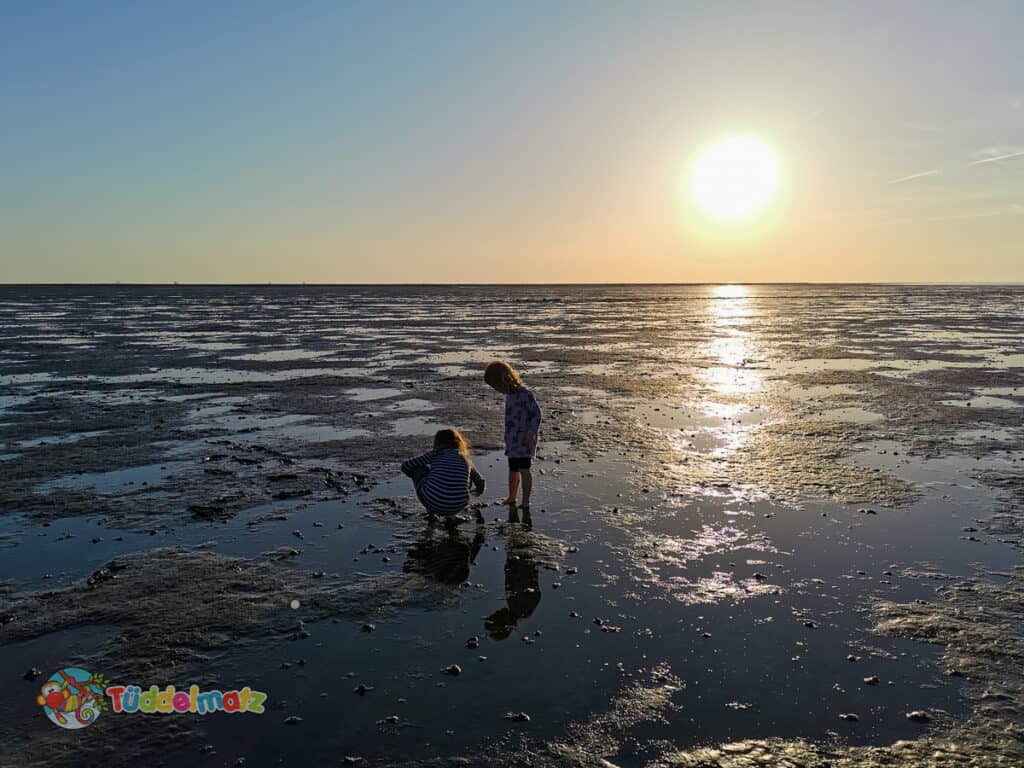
(522, 425)
(443, 476)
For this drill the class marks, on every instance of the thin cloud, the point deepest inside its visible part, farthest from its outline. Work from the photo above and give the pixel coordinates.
(990, 154)
(920, 175)
(998, 158)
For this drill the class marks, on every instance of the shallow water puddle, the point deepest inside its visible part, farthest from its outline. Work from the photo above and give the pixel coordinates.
(366, 394)
(415, 425)
(984, 401)
(119, 480)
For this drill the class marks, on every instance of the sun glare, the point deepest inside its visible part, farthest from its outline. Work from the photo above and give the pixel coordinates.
(734, 179)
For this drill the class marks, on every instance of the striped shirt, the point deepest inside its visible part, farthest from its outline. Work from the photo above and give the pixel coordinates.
(522, 423)
(443, 479)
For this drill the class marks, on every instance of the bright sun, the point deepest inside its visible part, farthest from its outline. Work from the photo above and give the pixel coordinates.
(734, 179)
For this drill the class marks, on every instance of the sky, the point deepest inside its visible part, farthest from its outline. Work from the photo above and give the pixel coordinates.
(472, 142)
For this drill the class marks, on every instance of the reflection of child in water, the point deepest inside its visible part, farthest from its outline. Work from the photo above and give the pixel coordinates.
(446, 560)
(443, 477)
(522, 582)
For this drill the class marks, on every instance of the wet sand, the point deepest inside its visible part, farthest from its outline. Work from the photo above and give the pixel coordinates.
(769, 524)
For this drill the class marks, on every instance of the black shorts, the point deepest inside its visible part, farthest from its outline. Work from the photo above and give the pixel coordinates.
(516, 463)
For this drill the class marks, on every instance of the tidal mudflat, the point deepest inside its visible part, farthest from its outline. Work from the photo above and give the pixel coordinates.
(772, 525)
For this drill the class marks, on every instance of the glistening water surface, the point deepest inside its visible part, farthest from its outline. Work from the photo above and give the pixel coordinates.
(199, 484)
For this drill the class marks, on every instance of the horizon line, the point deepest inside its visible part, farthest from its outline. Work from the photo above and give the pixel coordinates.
(187, 284)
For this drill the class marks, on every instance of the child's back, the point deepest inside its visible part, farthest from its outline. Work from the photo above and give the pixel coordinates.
(442, 478)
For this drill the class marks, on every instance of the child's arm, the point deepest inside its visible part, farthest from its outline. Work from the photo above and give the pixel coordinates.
(423, 460)
(477, 481)
(533, 419)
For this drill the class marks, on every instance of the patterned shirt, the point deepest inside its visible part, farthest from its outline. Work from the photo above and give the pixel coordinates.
(443, 479)
(522, 421)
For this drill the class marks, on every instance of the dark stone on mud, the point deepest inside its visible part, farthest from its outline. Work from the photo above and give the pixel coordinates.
(851, 657)
(32, 674)
(517, 717)
(350, 760)
(292, 720)
(362, 690)
(871, 680)
(452, 669)
(918, 716)
(389, 720)
(849, 717)
(97, 539)
(810, 624)
(369, 627)
(206, 511)
(473, 642)
(281, 495)
(107, 572)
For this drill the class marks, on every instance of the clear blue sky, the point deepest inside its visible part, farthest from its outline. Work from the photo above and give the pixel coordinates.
(477, 142)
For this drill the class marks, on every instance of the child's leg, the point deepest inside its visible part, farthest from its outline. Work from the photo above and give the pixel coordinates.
(527, 486)
(418, 476)
(513, 487)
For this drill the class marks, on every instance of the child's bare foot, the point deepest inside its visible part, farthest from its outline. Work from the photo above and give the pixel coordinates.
(509, 501)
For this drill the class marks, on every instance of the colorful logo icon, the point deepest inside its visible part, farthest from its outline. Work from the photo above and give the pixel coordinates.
(73, 698)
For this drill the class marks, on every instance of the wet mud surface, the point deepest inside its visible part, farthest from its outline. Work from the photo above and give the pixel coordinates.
(769, 524)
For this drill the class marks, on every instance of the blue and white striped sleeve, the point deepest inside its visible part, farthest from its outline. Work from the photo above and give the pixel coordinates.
(476, 479)
(423, 460)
